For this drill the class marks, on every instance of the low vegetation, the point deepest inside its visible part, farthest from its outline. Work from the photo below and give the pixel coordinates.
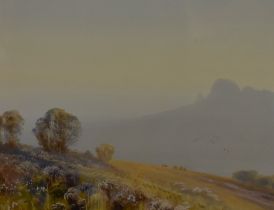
(54, 177)
(105, 152)
(254, 178)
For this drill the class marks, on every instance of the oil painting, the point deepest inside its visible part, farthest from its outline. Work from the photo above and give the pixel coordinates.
(136, 105)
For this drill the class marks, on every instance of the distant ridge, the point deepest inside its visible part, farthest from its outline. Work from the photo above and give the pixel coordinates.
(230, 129)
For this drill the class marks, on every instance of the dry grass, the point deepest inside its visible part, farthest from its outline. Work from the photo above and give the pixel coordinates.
(174, 185)
(168, 177)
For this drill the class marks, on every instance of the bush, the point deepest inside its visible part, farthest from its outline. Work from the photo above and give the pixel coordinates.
(105, 152)
(246, 176)
(252, 177)
(265, 182)
(54, 174)
(122, 196)
(69, 177)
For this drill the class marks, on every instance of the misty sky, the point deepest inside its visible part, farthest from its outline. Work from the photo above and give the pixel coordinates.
(102, 59)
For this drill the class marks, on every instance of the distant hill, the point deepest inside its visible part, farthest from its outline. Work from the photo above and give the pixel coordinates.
(230, 129)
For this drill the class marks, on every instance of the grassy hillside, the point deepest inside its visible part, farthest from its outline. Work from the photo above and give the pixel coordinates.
(200, 190)
(33, 180)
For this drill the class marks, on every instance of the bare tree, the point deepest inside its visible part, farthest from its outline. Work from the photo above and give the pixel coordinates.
(57, 130)
(12, 123)
(105, 152)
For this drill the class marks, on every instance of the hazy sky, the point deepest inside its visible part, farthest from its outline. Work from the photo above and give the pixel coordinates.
(123, 58)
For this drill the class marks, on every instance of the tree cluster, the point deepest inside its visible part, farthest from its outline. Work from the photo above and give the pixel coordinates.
(55, 132)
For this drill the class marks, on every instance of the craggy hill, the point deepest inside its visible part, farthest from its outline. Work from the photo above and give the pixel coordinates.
(32, 179)
(220, 133)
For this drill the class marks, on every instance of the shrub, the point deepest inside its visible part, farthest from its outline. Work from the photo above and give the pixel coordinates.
(265, 182)
(54, 174)
(105, 152)
(122, 196)
(252, 177)
(246, 176)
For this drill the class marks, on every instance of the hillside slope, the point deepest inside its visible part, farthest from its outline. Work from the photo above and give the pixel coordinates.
(217, 134)
(31, 179)
(192, 185)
